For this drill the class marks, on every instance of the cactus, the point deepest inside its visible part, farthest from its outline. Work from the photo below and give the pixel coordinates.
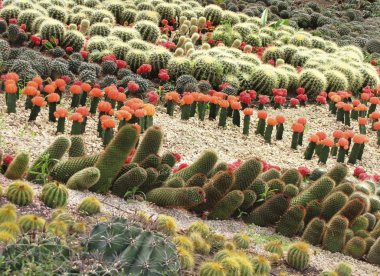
(176, 182)
(332, 204)
(20, 193)
(54, 195)
(203, 164)
(336, 81)
(291, 190)
(200, 227)
(29, 223)
(213, 13)
(250, 198)
(241, 241)
(159, 60)
(178, 66)
(183, 242)
(264, 80)
(74, 39)
(313, 81)
(89, 206)
(210, 268)
(317, 190)
(8, 213)
(52, 28)
(49, 157)
(334, 236)
(58, 228)
(135, 58)
(246, 174)
(231, 266)
(338, 173)
(374, 253)
(186, 258)
(360, 223)
(215, 190)
(112, 159)
(289, 223)
(276, 185)
(148, 30)
(150, 144)
(83, 179)
(139, 248)
(64, 170)
(198, 180)
(186, 197)
(166, 225)
(269, 175)
(314, 231)
(100, 29)
(343, 269)
(269, 212)
(355, 247)
(128, 181)
(6, 238)
(261, 265)
(10, 227)
(298, 256)
(275, 247)
(352, 209)
(18, 166)
(77, 148)
(208, 68)
(227, 205)
(272, 53)
(292, 176)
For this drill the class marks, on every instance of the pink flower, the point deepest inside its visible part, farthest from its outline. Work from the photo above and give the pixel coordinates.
(358, 171)
(163, 75)
(364, 176)
(245, 98)
(12, 21)
(177, 156)
(153, 97)
(145, 68)
(304, 171)
(133, 86)
(376, 178)
(279, 92)
(23, 27)
(84, 54)
(279, 100)
(121, 64)
(164, 22)
(252, 94)
(300, 90)
(180, 167)
(109, 57)
(294, 101)
(302, 97)
(36, 40)
(66, 78)
(321, 100)
(130, 156)
(224, 85)
(69, 49)
(271, 62)
(270, 166)
(263, 99)
(7, 159)
(121, 89)
(323, 94)
(234, 165)
(211, 92)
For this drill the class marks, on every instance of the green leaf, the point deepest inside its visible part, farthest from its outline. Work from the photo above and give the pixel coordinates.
(264, 17)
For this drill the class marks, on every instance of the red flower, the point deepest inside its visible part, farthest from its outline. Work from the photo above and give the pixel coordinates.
(23, 27)
(133, 87)
(177, 157)
(7, 159)
(121, 64)
(302, 97)
(69, 49)
(121, 89)
(84, 54)
(234, 165)
(180, 167)
(321, 100)
(211, 41)
(294, 101)
(374, 62)
(245, 98)
(279, 100)
(364, 176)
(279, 92)
(376, 178)
(109, 57)
(271, 62)
(300, 90)
(252, 94)
(145, 68)
(163, 75)
(153, 97)
(358, 171)
(164, 22)
(263, 99)
(36, 40)
(211, 92)
(12, 21)
(304, 171)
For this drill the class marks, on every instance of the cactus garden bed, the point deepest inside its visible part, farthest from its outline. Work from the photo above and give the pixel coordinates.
(188, 138)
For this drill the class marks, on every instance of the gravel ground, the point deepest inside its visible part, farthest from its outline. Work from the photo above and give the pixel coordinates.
(190, 138)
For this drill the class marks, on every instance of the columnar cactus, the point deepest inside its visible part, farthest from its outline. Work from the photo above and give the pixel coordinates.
(290, 222)
(186, 197)
(83, 179)
(335, 234)
(227, 205)
(18, 166)
(317, 190)
(314, 231)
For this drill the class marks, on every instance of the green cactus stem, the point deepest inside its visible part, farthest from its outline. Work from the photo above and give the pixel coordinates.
(223, 117)
(347, 118)
(148, 121)
(295, 138)
(18, 166)
(214, 110)
(341, 155)
(324, 154)
(34, 113)
(334, 149)
(332, 107)
(201, 110)
(309, 152)
(371, 109)
(170, 108)
(300, 138)
(354, 114)
(362, 129)
(185, 112)
(279, 131)
(268, 133)
(260, 127)
(11, 99)
(28, 102)
(83, 99)
(236, 117)
(94, 104)
(52, 109)
(340, 115)
(61, 125)
(107, 136)
(76, 128)
(193, 109)
(246, 123)
(361, 151)
(354, 154)
(378, 137)
(75, 100)
(229, 111)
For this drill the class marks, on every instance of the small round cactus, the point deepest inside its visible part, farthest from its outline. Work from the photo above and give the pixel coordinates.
(343, 269)
(20, 193)
(275, 247)
(261, 265)
(184, 242)
(79, 227)
(212, 268)
(10, 227)
(54, 194)
(166, 224)
(298, 256)
(58, 228)
(242, 241)
(199, 227)
(8, 213)
(31, 222)
(89, 206)
(6, 238)
(186, 258)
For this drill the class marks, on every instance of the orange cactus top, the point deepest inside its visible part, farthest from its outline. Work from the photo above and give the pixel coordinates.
(12, 76)
(344, 94)
(113, 94)
(321, 135)
(38, 101)
(297, 127)
(150, 109)
(109, 89)
(123, 115)
(343, 143)
(328, 142)
(365, 96)
(127, 108)
(302, 121)
(215, 100)
(223, 103)
(376, 126)
(60, 83)
(375, 115)
(30, 91)
(83, 110)
(336, 98)
(339, 104)
(172, 96)
(108, 122)
(60, 113)
(53, 98)
(235, 105)
(37, 80)
(248, 111)
(362, 121)
(11, 88)
(361, 107)
(314, 138)
(349, 134)
(359, 139)
(77, 117)
(32, 83)
(86, 87)
(331, 94)
(374, 100)
(204, 98)
(196, 95)
(232, 98)
(262, 115)
(121, 97)
(139, 113)
(355, 103)
(49, 88)
(338, 134)
(104, 107)
(96, 92)
(188, 99)
(220, 95)
(347, 107)
(75, 89)
(280, 119)
(9, 82)
(271, 121)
